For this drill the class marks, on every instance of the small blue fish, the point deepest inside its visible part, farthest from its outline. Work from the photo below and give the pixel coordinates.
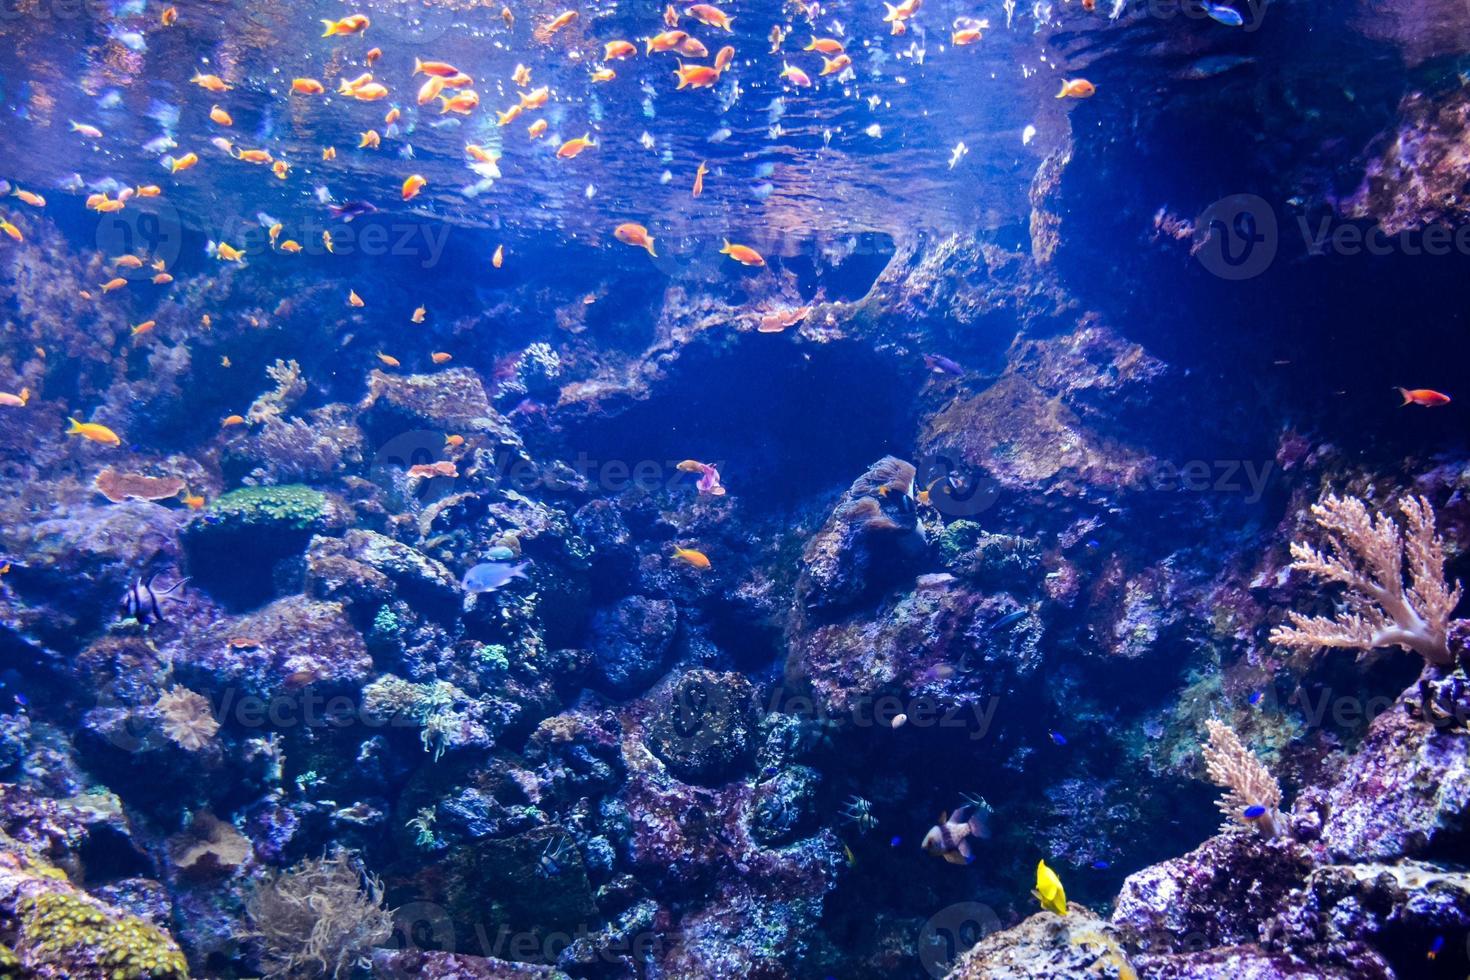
(895, 841)
(1058, 738)
(1435, 947)
(1092, 544)
(1101, 865)
(1255, 697)
(1221, 14)
(1008, 619)
(491, 575)
(1255, 812)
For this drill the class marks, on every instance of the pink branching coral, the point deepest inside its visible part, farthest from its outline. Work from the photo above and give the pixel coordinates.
(186, 717)
(1367, 554)
(1252, 795)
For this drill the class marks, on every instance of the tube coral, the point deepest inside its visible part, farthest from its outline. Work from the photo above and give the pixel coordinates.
(1367, 555)
(1252, 794)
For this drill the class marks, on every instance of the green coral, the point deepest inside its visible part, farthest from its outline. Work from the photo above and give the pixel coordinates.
(291, 507)
(493, 659)
(62, 930)
(958, 538)
(431, 706)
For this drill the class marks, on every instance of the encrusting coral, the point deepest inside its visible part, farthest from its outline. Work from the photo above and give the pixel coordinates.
(1367, 554)
(1248, 784)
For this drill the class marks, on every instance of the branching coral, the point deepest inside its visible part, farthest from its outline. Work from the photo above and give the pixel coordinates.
(186, 718)
(319, 919)
(1366, 553)
(1248, 784)
(289, 388)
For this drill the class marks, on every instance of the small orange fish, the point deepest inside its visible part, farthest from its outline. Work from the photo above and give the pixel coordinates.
(671, 16)
(965, 36)
(149, 190)
(693, 47)
(91, 132)
(93, 432)
(226, 252)
(521, 76)
(280, 168)
(15, 401)
(128, 262)
(667, 41)
(254, 156)
(462, 103)
(169, 17)
(454, 441)
(351, 24)
(162, 279)
(143, 327)
(1427, 397)
(743, 254)
(290, 246)
(212, 83)
(353, 299)
(710, 16)
(537, 129)
(394, 114)
(479, 154)
(389, 361)
(825, 45)
(723, 57)
(696, 559)
(329, 153)
(412, 186)
(113, 284)
(696, 76)
(372, 56)
(831, 66)
(34, 200)
(11, 231)
(370, 140)
(418, 315)
(183, 163)
(508, 17)
(571, 148)
(631, 233)
(614, 50)
(548, 30)
(220, 117)
(429, 91)
(498, 259)
(441, 357)
(307, 86)
(509, 116)
(327, 242)
(796, 76)
(699, 179)
(536, 98)
(193, 501)
(371, 92)
(603, 75)
(1077, 88)
(230, 421)
(441, 68)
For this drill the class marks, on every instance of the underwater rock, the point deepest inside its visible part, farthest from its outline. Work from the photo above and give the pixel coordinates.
(630, 642)
(700, 724)
(358, 565)
(234, 547)
(1419, 178)
(784, 806)
(1357, 912)
(1250, 962)
(428, 964)
(53, 929)
(866, 543)
(1404, 793)
(452, 401)
(1047, 946)
(1219, 894)
(274, 651)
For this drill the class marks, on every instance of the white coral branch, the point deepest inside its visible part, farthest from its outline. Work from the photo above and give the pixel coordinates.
(1366, 553)
(1246, 781)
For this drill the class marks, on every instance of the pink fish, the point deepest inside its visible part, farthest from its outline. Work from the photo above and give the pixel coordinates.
(709, 477)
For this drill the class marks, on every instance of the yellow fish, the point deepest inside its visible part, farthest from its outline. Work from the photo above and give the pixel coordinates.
(697, 559)
(1049, 890)
(327, 241)
(94, 432)
(228, 253)
(11, 231)
(34, 200)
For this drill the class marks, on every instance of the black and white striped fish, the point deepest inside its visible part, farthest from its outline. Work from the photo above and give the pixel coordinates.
(141, 601)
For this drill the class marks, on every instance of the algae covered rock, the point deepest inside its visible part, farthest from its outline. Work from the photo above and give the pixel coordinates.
(700, 723)
(631, 641)
(1047, 946)
(235, 545)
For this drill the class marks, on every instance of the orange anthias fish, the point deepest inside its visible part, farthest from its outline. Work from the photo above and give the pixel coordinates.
(430, 90)
(230, 421)
(690, 556)
(220, 117)
(537, 129)
(34, 200)
(615, 50)
(604, 75)
(967, 31)
(418, 315)
(671, 16)
(462, 103)
(498, 259)
(897, 16)
(547, 31)
(710, 16)
(369, 140)
(709, 477)
(825, 45)
(441, 357)
(667, 41)
(632, 233)
(509, 116)
(521, 76)
(693, 47)
(11, 231)
(699, 179)
(743, 254)
(307, 86)
(353, 299)
(1427, 397)
(572, 147)
(212, 83)
(412, 186)
(93, 432)
(831, 66)
(796, 76)
(372, 56)
(169, 17)
(696, 76)
(193, 501)
(351, 24)
(388, 360)
(536, 98)
(441, 68)
(1077, 88)
(183, 163)
(723, 57)
(15, 401)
